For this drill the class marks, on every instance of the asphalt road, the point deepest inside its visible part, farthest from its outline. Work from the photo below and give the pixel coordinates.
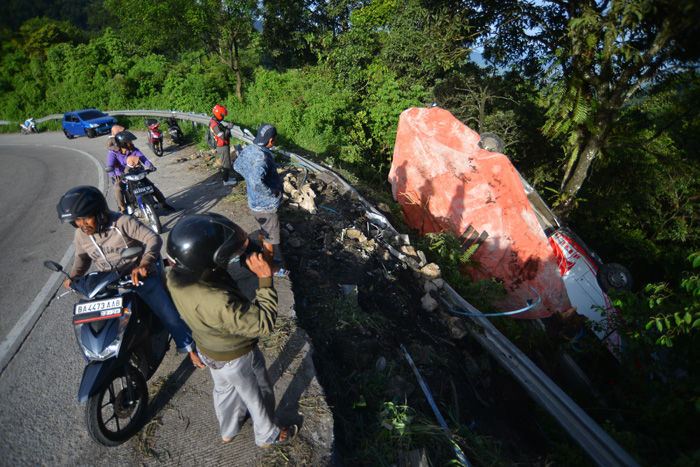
(40, 363)
(37, 171)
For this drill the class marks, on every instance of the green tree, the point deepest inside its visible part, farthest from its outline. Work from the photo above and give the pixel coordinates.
(220, 27)
(643, 205)
(288, 30)
(593, 57)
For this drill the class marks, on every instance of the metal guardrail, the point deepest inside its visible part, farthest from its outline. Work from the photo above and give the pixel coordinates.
(597, 444)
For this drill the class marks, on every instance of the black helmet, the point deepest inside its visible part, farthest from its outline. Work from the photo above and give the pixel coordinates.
(123, 138)
(82, 201)
(205, 241)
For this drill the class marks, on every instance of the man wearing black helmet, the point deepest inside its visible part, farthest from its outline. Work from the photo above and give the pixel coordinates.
(117, 159)
(100, 237)
(225, 324)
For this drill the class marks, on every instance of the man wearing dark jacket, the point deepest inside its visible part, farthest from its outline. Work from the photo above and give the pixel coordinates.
(226, 325)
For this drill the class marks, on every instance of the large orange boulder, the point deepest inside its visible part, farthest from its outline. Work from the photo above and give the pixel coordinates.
(445, 181)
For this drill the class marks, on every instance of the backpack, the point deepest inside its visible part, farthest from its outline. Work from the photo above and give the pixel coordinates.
(211, 141)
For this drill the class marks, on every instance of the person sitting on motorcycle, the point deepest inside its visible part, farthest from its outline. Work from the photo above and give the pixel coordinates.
(117, 159)
(111, 140)
(28, 125)
(100, 237)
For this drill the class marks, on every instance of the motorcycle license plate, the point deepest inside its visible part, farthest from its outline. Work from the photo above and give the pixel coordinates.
(144, 190)
(99, 309)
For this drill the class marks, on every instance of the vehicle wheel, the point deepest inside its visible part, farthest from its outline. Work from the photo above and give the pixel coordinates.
(159, 148)
(491, 142)
(117, 411)
(24, 132)
(89, 132)
(149, 213)
(68, 135)
(150, 146)
(613, 276)
(35, 130)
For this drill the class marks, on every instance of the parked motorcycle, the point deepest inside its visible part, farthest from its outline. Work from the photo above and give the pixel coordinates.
(139, 196)
(155, 136)
(29, 126)
(175, 131)
(123, 342)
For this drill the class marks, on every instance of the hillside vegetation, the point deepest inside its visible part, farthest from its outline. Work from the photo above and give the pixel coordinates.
(596, 102)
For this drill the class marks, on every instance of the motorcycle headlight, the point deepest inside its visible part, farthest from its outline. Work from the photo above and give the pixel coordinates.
(136, 177)
(100, 353)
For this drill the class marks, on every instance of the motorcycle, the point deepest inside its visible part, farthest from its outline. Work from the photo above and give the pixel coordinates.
(29, 126)
(155, 136)
(139, 196)
(175, 131)
(123, 342)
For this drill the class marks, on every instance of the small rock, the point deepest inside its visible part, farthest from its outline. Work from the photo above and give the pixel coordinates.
(384, 254)
(380, 366)
(288, 188)
(439, 283)
(353, 233)
(422, 259)
(294, 242)
(412, 263)
(289, 227)
(430, 271)
(408, 250)
(429, 286)
(398, 388)
(456, 326)
(428, 303)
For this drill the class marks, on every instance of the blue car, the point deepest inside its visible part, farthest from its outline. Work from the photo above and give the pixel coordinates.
(88, 122)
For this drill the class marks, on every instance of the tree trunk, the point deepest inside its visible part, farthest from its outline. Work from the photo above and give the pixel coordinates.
(578, 176)
(239, 82)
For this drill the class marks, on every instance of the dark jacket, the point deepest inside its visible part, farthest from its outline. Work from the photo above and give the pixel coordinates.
(224, 323)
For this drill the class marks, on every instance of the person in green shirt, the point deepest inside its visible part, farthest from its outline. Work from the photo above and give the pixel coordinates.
(226, 325)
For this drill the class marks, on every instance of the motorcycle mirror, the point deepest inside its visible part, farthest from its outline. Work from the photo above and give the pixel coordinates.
(109, 168)
(54, 266)
(132, 252)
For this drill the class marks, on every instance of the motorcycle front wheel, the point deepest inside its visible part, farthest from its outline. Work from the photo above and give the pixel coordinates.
(158, 147)
(149, 214)
(117, 411)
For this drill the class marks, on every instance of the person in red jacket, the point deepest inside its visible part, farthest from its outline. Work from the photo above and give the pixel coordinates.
(222, 135)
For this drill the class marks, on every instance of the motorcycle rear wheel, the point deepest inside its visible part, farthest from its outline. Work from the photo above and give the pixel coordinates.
(117, 411)
(158, 148)
(149, 214)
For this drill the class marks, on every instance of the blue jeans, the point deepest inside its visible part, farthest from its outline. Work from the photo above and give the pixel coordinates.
(153, 293)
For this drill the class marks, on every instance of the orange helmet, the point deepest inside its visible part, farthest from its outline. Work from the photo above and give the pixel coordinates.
(219, 112)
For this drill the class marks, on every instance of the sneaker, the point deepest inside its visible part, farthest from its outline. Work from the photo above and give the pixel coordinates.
(286, 436)
(230, 182)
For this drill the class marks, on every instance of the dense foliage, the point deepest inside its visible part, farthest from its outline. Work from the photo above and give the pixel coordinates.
(596, 102)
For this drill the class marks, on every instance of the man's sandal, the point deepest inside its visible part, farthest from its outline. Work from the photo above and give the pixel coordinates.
(287, 434)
